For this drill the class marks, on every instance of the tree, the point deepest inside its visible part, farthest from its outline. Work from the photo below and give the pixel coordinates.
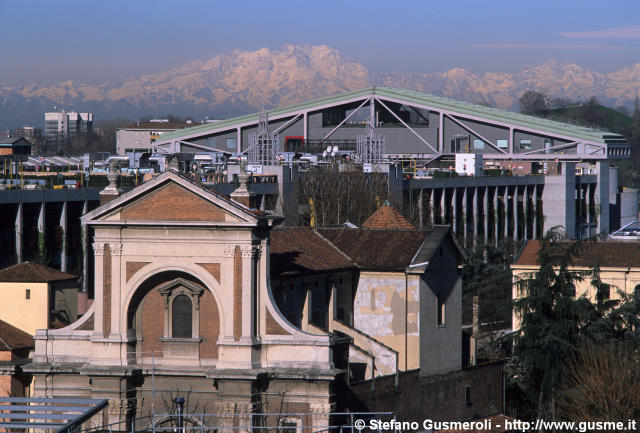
(486, 276)
(550, 319)
(330, 198)
(601, 382)
(533, 103)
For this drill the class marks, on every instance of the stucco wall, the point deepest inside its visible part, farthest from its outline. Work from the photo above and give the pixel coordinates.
(26, 314)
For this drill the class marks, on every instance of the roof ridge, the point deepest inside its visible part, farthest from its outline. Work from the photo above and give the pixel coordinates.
(345, 255)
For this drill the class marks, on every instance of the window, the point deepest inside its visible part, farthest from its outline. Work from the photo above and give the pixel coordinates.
(467, 394)
(441, 309)
(181, 317)
(478, 144)
(503, 144)
(232, 143)
(210, 142)
(27, 294)
(548, 144)
(460, 143)
(525, 144)
(603, 293)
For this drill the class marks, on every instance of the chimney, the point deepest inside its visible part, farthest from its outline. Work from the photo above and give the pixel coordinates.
(242, 194)
(111, 191)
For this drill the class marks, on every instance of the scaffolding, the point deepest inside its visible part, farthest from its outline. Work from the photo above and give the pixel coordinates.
(263, 145)
(370, 146)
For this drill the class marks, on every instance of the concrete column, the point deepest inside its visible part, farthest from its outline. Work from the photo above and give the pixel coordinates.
(516, 214)
(239, 139)
(455, 210)
(42, 252)
(432, 204)
(18, 229)
(506, 211)
(496, 214)
(559, 200)
(534, 212)
(420, 210)
(443, 211)
(525, 210)
(465, 216)
(486, 213)
(63, 226)
(603, 196)
(475, 220)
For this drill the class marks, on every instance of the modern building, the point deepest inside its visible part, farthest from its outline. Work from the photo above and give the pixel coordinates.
(539, 173)
(63, 127)
(139, 137)
(14, 146)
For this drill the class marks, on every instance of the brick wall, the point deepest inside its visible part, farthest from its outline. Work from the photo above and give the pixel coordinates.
(152, 322)
(209, 326)
(172, 203)
(438, 397)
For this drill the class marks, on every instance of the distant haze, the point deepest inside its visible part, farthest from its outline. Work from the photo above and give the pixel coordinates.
(246, 81)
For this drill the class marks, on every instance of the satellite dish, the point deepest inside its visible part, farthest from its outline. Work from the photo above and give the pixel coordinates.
(328, 149)
(335, 149)
(324, 154)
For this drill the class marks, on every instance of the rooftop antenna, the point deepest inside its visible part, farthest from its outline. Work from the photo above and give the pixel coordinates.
(370, 146)
(263, 145)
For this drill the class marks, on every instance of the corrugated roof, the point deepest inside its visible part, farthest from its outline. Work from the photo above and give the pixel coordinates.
(28, 272)
(437, 102)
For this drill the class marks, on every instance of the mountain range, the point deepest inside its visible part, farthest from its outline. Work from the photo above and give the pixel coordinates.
(247, 81)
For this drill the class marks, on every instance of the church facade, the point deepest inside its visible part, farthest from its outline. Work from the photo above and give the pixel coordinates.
(183, 307)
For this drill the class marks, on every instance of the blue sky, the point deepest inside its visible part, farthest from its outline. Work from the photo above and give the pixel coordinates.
(93, 42)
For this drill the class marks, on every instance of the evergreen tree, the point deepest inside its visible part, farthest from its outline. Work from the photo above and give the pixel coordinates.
(550, 322)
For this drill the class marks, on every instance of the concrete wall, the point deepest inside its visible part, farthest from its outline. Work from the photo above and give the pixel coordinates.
(441, 344)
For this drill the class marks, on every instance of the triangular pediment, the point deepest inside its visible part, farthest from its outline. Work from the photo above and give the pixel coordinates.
(173, 202)
(172, 198)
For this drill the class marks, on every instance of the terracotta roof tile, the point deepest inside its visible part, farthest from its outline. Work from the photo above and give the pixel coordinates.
(375, 249)
(386, 217)
(604, 254)
(301, 251)
(28, 272)
(12, 338)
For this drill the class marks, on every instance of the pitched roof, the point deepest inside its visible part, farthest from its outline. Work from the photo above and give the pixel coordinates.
(387, 217)
(408, 96)
(302, 251)
(604, 254)
(28, 272)
(376, 249)
(12, 338)
(12, 141)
